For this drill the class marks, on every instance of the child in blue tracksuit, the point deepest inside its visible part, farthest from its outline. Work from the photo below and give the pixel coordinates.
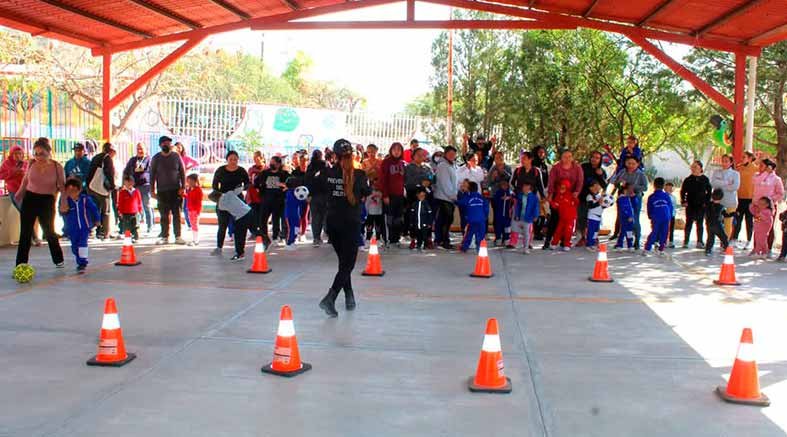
(595, 208)
(626, 210)
(526, 211)
(660, 215)
(81, 217)
(476, 210)
(292, 211)
(501, 201)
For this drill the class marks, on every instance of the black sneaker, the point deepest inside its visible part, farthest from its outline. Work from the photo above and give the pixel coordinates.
(81, 268)
(60, 265)
(238, 257)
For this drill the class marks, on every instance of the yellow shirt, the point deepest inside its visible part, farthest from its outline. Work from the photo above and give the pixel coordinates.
(747, 172)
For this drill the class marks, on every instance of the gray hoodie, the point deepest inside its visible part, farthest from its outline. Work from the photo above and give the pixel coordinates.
(637, 179)
(445, 181)
(729, 181)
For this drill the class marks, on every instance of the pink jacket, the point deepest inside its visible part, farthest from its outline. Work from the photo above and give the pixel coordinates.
(8, 171)
(768, 185)
(573, 174)
(763, 219)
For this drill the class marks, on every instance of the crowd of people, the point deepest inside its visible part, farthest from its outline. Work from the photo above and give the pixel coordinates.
(412, 198)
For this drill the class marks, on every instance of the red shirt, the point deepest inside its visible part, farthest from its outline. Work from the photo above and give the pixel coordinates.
(194, 199)
(129, 201)
(392, 177)
(566, 205)
(253, 194)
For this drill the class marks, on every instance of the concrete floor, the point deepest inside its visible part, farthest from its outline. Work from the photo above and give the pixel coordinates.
(640, 356)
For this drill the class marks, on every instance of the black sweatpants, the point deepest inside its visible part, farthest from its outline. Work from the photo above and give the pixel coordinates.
(375, 223)
(552, 222)
(318, 207)
(741, 214)
(344, 239)
(716, 230)
(102, 203)
(394, 217)
(41, 207)
(128, 222)
(169, 202)
(693, 216)
(241, 224)
(446, 212)
(273, 210)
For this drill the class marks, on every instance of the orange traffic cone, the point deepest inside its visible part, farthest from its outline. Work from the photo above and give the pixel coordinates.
(744, 384)
(127, 255)
(489, 377)
(482, 267)
(727, 273)
(260, 264)
(374, 266)
(286, 357)
(111, 348)
(601, 271)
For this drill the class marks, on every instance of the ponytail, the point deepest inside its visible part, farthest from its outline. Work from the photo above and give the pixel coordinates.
(348, 176)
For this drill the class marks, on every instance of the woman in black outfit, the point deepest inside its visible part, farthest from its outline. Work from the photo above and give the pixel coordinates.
(227, 178)
(319, 197)
(345, 186)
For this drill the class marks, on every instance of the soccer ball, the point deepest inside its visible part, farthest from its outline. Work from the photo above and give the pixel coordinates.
(607, 201)
(301, 193)
(24, 273)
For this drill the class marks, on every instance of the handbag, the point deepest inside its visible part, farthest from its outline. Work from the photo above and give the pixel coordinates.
(98, 182)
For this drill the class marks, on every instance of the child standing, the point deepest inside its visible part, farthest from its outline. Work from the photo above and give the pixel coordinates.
(626, 216)
(763, 222)
(129, 205)
(194, 205)
(669, 187)
(375, 220)
(421, 218)
(292, 211)
(80, 217)
(501, 202)
(476, 211)
(714, 220)
(526, 212)
(660, 213)
(566, 205)
(595, 208)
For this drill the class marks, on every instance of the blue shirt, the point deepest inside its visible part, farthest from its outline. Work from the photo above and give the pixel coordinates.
(78, 168)
(660, 206)
(476, 208)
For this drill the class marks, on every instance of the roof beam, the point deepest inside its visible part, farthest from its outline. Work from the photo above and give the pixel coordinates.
(590, 8)
(36, 28)
(238, 12)
(292, 4)
(421, 24)
(737, 12)
(770, 36)
(94, 17)
(174, 16)
(652, 14)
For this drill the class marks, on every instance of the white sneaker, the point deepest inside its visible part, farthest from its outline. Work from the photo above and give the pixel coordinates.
(289, 247)
(180, 241)
(565, 249)
(162, 241)
(526, 251)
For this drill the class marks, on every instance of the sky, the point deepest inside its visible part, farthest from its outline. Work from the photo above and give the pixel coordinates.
(388, 67)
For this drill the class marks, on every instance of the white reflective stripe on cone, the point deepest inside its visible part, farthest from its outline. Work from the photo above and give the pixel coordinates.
(111, 321)
(482, 252)
(728, 259)
(602, 256)
(127, 241)
(745, 352)
(259, 248)
(373, 250)
(491, 343)
(286, 328)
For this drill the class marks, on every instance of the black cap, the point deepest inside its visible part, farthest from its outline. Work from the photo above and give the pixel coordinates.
(449, 149)
(163, 139)
(78, 146)
(342, 147)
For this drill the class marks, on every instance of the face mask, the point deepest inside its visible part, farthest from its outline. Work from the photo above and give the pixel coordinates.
(165, 148)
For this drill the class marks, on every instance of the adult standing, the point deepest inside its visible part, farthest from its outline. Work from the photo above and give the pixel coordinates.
(592, 172)
(565, 169)
(300, 162)
(480, 145)
(728, 180)
(415, 174)
(167, 184)
(253, 196)
(44, 180)
(472, 172)
(138, 167)
(408, 154)
(272, 187)
(747, 170)
(230, 180)
(101, 184)
(347, 187)
(445, 194)
(633, 176)
(498, 172)
(319, 197)
(79, 165)
(695, 196)
(528, 173)
(392, 187)
(768, 184)
(540, 161)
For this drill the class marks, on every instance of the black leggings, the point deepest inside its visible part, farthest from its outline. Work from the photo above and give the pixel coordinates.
(274, 208)
(693, 216)
(41, 207)
(741, 214)
(446, 211)
(394, 217)
(240, 230)
(344, 239)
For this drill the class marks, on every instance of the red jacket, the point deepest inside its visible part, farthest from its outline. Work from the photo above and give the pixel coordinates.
(194, 200)
(129, 202)
(392, 176)
(252, 194)
(565, 204)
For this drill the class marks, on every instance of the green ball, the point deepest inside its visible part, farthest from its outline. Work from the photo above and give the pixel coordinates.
(24, 273)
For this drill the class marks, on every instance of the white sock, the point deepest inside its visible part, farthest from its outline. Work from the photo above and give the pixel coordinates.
(195, 236)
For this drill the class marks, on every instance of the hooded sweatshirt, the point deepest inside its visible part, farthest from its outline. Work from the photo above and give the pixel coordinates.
(695, 191)
(446, 181)
(475, 207)
(729, 180)
(660, 206)
(392, 176)
(8, 171)
(414, 174)
(81, 215)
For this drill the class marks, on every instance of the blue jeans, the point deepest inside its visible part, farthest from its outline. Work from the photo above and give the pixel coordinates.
(144, 190)
(593, 227)
(186, 213)
(637, 204)
(12, 196)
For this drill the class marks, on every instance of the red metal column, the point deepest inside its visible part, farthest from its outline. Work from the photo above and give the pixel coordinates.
(740, 104)
(106, 87)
